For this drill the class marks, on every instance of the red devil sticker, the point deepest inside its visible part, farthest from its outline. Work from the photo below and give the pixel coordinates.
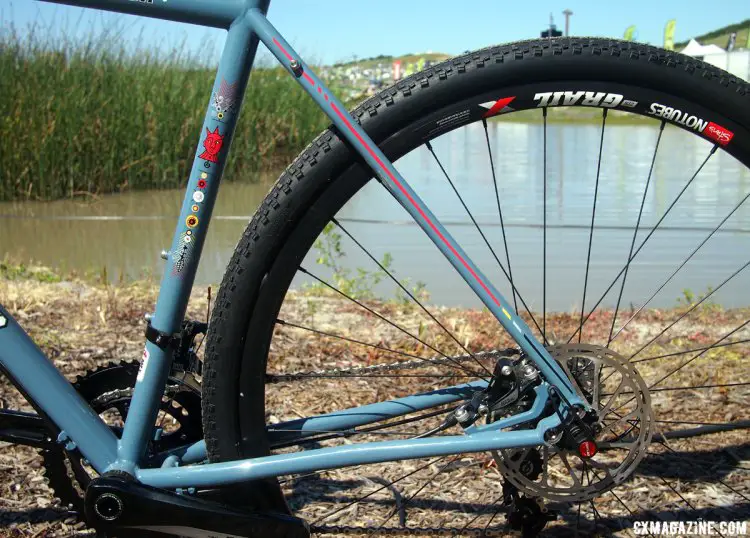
(212, 143)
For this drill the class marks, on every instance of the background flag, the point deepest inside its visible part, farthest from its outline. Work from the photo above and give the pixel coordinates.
(669, 34)
(629, 33)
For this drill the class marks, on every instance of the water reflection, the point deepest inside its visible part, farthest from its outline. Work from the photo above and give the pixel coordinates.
(136, 226)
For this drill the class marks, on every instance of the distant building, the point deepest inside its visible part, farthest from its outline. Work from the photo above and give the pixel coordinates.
(736, 62)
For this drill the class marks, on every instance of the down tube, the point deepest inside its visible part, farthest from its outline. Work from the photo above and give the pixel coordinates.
(400, 189)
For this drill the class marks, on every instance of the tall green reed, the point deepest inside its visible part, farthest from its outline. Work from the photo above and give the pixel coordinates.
(88, 116)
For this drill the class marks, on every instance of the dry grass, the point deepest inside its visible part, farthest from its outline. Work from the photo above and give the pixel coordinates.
(81, 325)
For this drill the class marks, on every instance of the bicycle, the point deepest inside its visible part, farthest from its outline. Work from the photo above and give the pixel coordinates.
(217, 468)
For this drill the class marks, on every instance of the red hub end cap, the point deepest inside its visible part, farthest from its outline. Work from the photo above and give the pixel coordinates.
(587, 449)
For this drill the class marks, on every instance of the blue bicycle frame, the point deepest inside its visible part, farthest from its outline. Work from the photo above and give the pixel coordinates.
(80, 427)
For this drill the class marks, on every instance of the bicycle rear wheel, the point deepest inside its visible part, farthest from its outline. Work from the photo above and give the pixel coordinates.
(659, 209)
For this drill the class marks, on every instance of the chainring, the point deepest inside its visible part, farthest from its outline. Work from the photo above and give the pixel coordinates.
(613, 387)
(108, 389)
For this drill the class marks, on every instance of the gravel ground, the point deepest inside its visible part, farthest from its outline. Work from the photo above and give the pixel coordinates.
(81, 326)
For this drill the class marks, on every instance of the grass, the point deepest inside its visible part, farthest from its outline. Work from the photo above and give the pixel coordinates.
(87, 116)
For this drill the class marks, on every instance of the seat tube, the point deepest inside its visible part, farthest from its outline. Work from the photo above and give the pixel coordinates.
(189, 235)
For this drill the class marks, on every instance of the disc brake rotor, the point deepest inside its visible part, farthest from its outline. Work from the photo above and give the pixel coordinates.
(617, 392)
(108, 389)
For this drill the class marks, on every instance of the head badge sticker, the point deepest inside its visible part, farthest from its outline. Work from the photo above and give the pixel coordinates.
(212, 143)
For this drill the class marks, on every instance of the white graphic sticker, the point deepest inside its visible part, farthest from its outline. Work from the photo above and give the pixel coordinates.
(144, 365)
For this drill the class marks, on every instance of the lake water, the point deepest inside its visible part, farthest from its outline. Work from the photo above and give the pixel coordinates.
(126, 232)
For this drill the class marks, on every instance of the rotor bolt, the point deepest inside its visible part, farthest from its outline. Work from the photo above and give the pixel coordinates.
(506, 370)
(164, 254)
(483, 409)
(148, 316)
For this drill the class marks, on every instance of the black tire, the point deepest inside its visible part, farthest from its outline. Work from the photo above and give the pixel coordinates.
(327, 173)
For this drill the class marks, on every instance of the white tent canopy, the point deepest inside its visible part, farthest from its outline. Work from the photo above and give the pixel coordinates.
(694, 48)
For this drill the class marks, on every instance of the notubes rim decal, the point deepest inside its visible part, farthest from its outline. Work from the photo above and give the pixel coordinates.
(191, 221)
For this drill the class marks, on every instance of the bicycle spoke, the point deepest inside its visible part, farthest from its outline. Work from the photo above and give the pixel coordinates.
(616, 496)
(693, 387)
(635, 232)
(500, 213)
(393, 324)
(360, 499)
(692, 461)
(680, 367)
(484, 238)
(681, 265)
(403, 288)
(686, 351)
(347, 339)
(696, 305)
(481, 513)
(645, 240)
(685, 363)
(406, 501)
(701, 460)
(544, 227)
(593, 216)
(487, 526)
(368, 429)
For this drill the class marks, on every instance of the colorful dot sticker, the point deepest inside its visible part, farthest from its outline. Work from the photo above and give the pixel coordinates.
(187, 238)
(191, 221)
(189, 232)
(201, 183)
(195, 208)
(204, 175)
(198, 196)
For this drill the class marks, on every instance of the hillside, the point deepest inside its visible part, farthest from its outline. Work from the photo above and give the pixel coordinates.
(720, 36)
(369, 63)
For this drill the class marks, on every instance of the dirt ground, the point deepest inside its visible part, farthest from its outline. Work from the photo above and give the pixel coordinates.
(81, 325)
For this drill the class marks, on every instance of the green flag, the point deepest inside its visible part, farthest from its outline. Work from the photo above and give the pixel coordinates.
(629, 33)
(669, 34)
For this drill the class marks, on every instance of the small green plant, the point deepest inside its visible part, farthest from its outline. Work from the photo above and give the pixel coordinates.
(689, 299)
(360, 283)
(22, 271)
